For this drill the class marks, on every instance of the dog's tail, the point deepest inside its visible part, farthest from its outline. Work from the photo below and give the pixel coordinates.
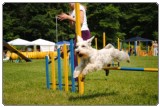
(109, 46)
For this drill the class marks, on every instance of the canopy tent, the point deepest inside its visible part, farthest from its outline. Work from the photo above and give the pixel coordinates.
(60, 43)
(137, 38)
(44, 45)
(19, 41)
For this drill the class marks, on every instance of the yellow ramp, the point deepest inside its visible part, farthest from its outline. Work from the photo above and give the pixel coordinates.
(12, 49)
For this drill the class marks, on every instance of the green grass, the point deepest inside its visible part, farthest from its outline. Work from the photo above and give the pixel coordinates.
(25, 84)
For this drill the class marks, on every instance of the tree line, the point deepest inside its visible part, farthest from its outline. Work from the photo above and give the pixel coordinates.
(31, 21)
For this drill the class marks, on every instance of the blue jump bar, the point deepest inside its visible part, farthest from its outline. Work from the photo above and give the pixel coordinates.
(47, 73)
(59, 69)
(132, 69)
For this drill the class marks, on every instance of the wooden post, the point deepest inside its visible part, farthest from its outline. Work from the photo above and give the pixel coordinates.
(72, 64)
(104, 39)
(78, 33)
(118, 44)
(47, 73)
(53, 72)
(129, 46)
(96, 43)
(59, 70)
(65, 67)
(78, 23)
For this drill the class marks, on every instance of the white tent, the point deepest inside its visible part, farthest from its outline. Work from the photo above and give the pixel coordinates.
(44, 45)
(19, 41)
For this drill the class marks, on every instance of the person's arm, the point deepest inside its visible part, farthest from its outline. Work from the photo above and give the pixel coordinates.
(64, 16)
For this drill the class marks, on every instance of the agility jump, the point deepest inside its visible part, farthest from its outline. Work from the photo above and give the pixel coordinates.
(80, 81)
(80, 76)
(132, 69)
(66, 84)
(110, 52)
(52, 82)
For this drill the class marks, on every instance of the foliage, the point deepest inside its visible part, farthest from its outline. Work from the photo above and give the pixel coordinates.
(140, 19)
(31, 21)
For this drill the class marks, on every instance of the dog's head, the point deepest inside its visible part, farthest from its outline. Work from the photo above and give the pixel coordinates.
(83, 47)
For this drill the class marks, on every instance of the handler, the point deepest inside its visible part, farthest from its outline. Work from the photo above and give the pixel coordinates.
(83, 19)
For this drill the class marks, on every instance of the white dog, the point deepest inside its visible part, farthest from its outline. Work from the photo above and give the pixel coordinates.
(93, 60)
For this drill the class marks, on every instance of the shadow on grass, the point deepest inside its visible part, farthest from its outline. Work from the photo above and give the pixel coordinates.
(91, 96)
(70, 78)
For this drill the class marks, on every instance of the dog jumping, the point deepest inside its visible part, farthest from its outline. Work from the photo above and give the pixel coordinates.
(93, 59)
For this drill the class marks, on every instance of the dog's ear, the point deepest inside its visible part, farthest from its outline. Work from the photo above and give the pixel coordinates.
(79, 39)
(90, 40)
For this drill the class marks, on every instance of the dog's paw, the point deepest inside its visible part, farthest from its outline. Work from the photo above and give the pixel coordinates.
(76, 74)
(128, 61)
(84, 72)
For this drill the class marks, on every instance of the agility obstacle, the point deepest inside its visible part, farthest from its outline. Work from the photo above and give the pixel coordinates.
(80, 80)
(53, 82)
(132, 69)
(78, 33)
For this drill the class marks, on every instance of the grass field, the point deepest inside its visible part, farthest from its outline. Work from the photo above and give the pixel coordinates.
(25, 84)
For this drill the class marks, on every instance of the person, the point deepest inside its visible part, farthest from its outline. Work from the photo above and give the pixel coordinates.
(130, 51)
(85, 32)
(155, 48)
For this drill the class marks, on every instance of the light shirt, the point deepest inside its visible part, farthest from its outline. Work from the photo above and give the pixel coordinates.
(84, 24)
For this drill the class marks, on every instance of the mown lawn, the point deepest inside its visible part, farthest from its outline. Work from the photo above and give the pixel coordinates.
(25, 84)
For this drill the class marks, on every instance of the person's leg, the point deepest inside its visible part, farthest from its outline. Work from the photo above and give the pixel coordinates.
(86, 34)
(75, 56)
(154, 52)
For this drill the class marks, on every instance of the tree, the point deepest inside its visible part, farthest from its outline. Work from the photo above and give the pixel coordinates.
(31, 21)
(139, 19)
(105, 18)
